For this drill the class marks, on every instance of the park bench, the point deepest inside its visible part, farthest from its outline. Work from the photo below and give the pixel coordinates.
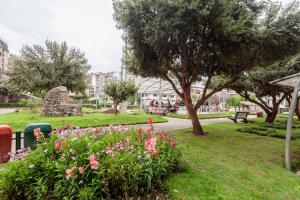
(240, 115)
(157, 111)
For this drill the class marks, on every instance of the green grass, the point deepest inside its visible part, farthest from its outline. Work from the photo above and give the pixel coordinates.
(18, 120)
(203, 116)
(229, 165)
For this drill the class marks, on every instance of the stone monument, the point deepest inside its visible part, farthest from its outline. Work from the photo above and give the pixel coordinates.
(58, 103)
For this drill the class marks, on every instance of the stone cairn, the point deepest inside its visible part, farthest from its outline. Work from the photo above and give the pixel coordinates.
(58, 103)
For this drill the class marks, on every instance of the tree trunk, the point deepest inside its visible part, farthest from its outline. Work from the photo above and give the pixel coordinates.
(197, 128)
(271, 116)
(116, 109)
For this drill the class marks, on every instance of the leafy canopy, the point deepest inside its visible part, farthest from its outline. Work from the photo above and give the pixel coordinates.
(120, 91)
(186, 40)
(41, 68)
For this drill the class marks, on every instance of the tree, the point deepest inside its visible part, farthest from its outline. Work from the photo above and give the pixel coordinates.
(41, 68)
(257, 82)
(120, 91)
(185, 41)
(234, 100)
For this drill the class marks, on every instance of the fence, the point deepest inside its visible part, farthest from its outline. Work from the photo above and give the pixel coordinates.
(17, 142)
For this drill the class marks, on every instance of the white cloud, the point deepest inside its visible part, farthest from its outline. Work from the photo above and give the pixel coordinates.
(86, 24)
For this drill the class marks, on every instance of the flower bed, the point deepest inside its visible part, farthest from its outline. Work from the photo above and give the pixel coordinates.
(108, 163)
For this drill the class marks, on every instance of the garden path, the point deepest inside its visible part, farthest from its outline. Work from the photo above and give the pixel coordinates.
(6, 110)
(176, 123)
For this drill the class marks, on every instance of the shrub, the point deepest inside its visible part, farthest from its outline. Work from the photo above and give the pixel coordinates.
(108, 163)
(271, 132)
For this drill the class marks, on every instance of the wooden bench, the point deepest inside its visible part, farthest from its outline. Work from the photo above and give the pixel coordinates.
(157, 111)
(240, 115)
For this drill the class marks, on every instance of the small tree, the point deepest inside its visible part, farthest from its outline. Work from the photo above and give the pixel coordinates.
(186, 41)
(120, 91)
(234, 100)
(40, 68)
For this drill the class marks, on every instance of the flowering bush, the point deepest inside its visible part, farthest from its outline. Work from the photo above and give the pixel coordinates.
(108, 163)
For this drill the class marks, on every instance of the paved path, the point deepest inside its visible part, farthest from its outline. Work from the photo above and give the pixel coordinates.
(176, 123)
(6, 110)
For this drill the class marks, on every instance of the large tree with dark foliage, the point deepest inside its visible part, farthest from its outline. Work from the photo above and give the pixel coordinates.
(40, 68)
(185, 41)
(257, 82)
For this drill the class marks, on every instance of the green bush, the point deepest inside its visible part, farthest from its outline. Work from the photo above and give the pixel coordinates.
(111, 163)
(271, 132)
(13, 105)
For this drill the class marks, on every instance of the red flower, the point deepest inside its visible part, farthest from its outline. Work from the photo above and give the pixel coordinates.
(140, 133)
(150, 120)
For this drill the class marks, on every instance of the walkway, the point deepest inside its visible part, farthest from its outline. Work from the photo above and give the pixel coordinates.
(176, 123)
(6, 110)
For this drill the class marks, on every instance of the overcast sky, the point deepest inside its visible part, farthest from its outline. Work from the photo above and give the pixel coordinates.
(86, 24)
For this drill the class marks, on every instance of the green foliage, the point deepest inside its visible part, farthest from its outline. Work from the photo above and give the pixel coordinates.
(41, 68)
(112, 163)
(120, 91)
(185, 41)
(270, 131)
(234, 100)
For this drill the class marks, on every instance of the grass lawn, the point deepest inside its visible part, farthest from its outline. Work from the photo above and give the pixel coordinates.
(227, 164)
(203, 116)
(18, 120)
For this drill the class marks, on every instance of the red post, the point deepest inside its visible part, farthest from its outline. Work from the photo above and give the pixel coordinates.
(5, 143)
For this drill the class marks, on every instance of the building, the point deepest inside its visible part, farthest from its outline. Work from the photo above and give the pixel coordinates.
(97, 82)
(4, 53)
(152, 88)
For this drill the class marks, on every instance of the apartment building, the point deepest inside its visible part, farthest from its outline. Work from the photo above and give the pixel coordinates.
(97, 82)
(4, 53)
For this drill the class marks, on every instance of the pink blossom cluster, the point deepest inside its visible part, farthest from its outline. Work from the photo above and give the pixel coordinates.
(97, 131)
(150, 146)
(20, 154)
(38, 134)
(118, 147)
(93, 162)
(60, 145)
(72, 171)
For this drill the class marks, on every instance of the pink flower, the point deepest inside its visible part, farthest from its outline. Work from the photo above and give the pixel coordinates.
(96, 131)
(36, 133)
(68, 173)
(93, 162)
(81, 170)
(127, 141)
(150, 146)
(59, 145)
(59, 130)
(68, 126)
